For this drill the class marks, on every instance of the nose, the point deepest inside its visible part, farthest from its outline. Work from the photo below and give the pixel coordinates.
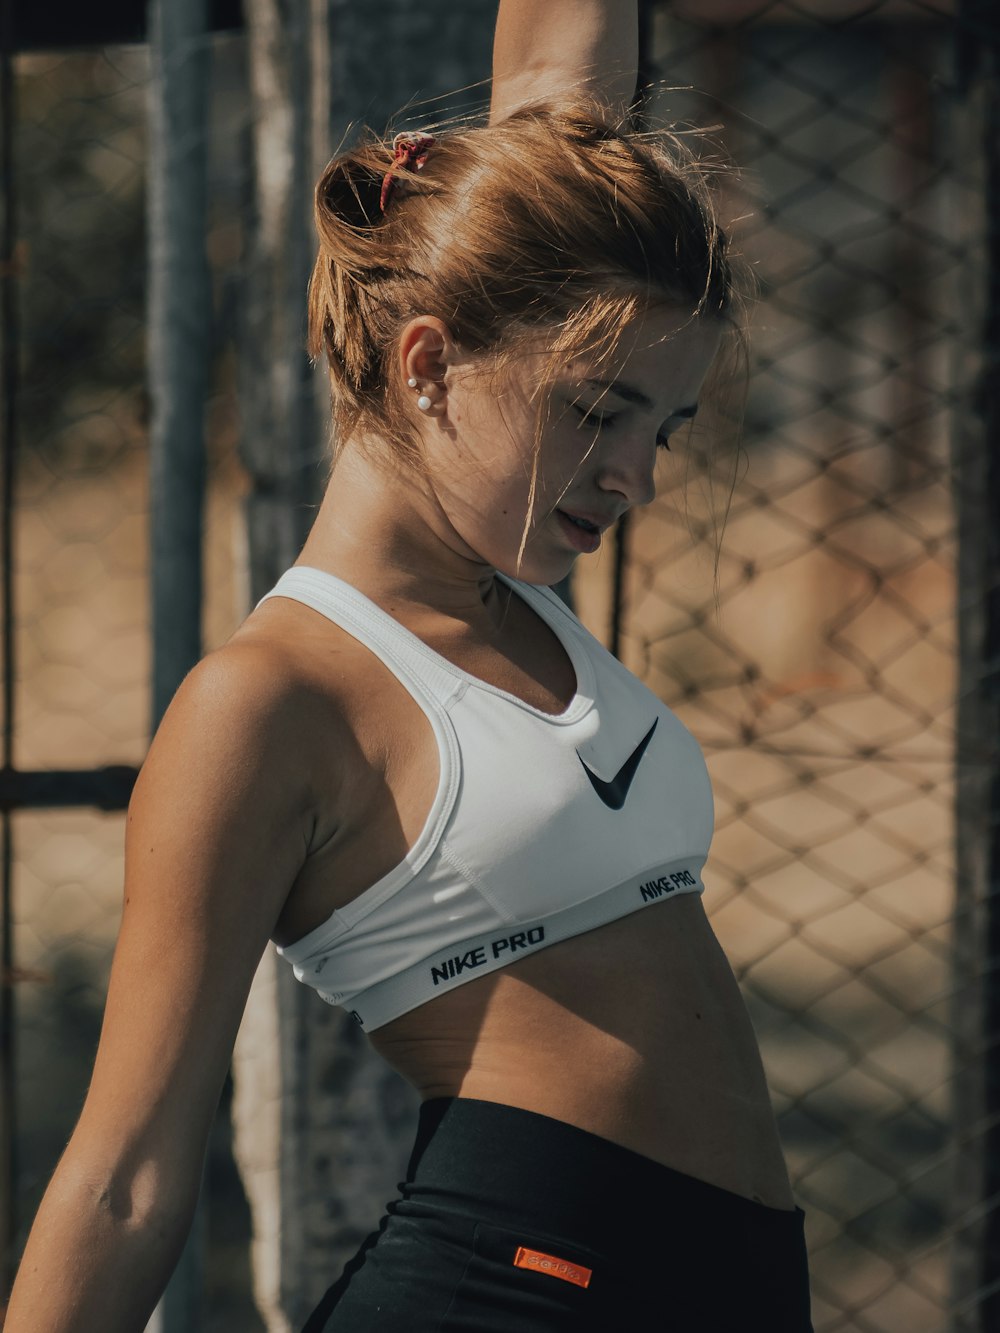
(630, 470)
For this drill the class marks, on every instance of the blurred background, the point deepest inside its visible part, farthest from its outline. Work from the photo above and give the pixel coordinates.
(164, 448)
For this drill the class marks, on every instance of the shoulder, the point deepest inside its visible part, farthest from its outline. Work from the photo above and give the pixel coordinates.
(249, 691)
(239, 735)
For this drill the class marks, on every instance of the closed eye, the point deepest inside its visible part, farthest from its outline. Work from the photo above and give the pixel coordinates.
(608, 418)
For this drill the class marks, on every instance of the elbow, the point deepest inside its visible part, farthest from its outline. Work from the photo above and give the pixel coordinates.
(130, 1198)
(147, 1200)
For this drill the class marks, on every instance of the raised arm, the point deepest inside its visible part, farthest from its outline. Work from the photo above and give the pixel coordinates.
(217, 829)
(544, 46)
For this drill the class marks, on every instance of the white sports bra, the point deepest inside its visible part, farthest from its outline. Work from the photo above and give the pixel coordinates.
(542, 826)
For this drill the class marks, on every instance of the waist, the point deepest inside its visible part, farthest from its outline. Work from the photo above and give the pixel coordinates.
(728, 1142)
(477, 1152)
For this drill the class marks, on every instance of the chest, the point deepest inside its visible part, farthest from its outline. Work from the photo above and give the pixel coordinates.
(375, 759)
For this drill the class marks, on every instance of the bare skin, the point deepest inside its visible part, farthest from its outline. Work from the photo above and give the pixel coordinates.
(292, 770)
(636, 1031)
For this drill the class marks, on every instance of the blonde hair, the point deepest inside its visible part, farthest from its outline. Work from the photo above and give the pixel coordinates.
(552, 228)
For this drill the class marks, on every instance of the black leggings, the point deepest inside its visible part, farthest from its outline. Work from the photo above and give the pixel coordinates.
(512, 1222)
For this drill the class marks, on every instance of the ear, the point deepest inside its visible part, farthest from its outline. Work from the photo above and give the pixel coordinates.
(425, 348)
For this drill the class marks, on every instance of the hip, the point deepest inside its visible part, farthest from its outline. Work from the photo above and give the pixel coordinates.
(508, 1218)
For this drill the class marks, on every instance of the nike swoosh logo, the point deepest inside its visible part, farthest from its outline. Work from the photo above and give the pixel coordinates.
(613, 793)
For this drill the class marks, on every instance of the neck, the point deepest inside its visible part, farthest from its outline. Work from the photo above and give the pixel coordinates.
(381, 530)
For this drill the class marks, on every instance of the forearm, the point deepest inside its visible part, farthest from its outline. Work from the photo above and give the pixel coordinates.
(545, 46)
(92, 1264)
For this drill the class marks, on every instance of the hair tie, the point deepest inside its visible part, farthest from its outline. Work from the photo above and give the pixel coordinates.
(409, 153)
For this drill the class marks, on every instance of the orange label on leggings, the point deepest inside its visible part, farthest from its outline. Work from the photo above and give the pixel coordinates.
(548, 1263)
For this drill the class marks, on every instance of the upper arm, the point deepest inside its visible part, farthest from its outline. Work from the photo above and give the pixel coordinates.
(217, 830)
(542, 49)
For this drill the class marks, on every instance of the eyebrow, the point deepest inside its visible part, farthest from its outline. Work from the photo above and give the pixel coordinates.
(633, 395)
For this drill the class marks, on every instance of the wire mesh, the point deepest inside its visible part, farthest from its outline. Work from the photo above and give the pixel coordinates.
(81, 576)
(819, 671)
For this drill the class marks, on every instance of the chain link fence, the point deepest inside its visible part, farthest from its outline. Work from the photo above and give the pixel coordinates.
(822, 681)
(81, 572)
(816, 661)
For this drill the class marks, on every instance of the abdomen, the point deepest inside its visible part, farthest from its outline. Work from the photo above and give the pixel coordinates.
(635, 1031)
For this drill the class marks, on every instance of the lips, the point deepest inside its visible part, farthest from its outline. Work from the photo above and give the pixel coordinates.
(583, 530)
(585, 523)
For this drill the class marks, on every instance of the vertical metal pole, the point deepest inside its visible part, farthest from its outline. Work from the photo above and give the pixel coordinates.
(618, 584)
(9, 335)
(179, 346)
(976, 458)
(990, 684)
(180, 326)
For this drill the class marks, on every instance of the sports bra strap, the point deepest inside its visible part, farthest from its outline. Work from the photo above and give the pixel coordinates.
(422, 671)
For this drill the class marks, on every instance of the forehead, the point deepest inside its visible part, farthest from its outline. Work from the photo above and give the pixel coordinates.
(664, 354)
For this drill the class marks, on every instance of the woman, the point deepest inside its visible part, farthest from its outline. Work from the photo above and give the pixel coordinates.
(456, 814)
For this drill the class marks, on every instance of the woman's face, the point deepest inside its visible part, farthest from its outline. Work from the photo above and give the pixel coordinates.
(598, 452)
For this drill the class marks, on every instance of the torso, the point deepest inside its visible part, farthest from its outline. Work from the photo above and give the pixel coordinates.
(635, 1031)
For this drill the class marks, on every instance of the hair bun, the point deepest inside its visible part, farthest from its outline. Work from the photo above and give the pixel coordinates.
(348, 190)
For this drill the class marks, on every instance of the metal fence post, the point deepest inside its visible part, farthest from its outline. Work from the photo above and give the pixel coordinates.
(976, 459)
(180, 321)
(8, 404)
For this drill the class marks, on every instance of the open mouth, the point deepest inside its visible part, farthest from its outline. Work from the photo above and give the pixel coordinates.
(583, 535)
(580, 522)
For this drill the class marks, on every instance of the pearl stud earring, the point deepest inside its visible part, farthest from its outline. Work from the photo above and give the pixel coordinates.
(423, 402)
